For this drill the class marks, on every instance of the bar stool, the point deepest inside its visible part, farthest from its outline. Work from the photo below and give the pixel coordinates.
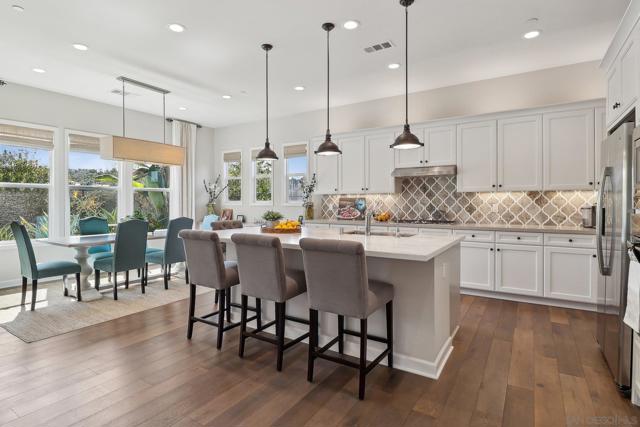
(263, 274)
(226, 225)
(208, 268)
(337, 280)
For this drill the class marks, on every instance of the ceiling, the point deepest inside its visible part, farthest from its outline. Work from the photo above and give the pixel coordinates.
(451, 42)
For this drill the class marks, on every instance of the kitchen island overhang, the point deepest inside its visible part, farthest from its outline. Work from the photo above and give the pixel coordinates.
(425, 272)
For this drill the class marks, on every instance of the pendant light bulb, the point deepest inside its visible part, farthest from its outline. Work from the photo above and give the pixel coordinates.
(267, 153)
(406, 140)
(328, 147)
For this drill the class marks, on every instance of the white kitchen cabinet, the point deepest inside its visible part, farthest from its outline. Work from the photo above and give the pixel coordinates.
(520, 153)
(476, 156)
(379, 163)
(353, 164)
(587, 241)
(327, 171)
(477, 266)
(435, 232)
(440, 146)
(568, 150)
(622, 81)
(614, 88)
(519, 269)
(570, 274)
(412, 157)
(600, 135)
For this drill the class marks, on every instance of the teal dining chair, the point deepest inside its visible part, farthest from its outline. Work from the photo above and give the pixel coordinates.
(128, 254)
(91, 226)
(173, 250)
(30, 269)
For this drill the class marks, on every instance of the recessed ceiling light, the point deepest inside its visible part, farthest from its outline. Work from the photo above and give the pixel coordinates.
(39, 70)
(17, 8)
(80, 46)
(226, 96)
(182, 108)
(393, 66)
(177, 28)
(299, 88)
(532, 34)
(351, 24)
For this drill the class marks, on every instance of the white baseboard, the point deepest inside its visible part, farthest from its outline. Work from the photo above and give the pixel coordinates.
(529, 299)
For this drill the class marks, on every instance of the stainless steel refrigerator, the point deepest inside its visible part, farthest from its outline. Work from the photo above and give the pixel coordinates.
(613, 232)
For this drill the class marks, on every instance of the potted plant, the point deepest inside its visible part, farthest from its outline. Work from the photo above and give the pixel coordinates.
(214, 191)
(307, 193)
(272, 218)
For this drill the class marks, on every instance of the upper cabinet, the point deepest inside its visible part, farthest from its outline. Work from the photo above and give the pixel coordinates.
(476, 156)
(520, 153)
(600, 135)
(353, 166)
(439, 148)
(379, 163)
(622, 80)
(327, 171)
(568, 148)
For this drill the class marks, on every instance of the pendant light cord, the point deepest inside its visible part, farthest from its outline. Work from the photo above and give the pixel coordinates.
(328, 81)
(123, 128)
(406, 65)
(267, 86)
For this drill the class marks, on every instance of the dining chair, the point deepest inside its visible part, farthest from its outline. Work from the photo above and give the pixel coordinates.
(30, 269)
(173, 251)
(129, 253)
(225, 225)
(91, 226)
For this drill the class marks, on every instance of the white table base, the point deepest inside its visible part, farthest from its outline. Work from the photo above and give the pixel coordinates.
(89, 293)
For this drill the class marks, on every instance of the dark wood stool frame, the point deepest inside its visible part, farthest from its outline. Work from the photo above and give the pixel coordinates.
(279, 322)
(362, 367)
(224, 307)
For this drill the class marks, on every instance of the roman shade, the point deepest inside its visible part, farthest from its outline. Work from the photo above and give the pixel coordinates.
(297, 150)
(84, 143)
(26, 137)
(235, 156)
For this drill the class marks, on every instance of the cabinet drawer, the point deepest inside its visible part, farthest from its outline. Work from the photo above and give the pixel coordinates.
(570, 240)
(435, 232)
(519, 238)
(476, 236)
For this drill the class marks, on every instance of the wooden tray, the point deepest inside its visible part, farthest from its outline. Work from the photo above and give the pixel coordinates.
(271, 230)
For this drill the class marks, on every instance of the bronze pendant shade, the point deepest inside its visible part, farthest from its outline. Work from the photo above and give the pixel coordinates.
(267, 153)
(406, 140)
(328, 147)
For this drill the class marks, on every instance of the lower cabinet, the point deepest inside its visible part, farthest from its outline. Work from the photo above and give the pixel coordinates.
(477, 266)
(519, 269)
(571, 274)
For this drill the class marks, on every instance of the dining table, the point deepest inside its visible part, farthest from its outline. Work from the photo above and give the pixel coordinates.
(81, 245)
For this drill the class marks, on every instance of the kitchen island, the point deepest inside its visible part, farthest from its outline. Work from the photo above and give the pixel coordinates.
(425, 272)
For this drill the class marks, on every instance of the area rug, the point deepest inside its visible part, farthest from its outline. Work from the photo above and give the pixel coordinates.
(63, 315)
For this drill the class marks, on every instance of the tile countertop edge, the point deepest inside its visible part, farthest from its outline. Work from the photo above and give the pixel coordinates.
(487, 227)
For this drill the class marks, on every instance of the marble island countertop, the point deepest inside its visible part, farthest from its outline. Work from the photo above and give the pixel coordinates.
(458, 226)
(413, 248)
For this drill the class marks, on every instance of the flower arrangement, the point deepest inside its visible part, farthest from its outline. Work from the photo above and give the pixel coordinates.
(272, 216)
(214, 191)
(307, 191)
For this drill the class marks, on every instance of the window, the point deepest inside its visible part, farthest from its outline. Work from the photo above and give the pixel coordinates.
(25, 158)
(151, 194)
(295, 158)
(262, 179)
(233, 176)
(93, 182)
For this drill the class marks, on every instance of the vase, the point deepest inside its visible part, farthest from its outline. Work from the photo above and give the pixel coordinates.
(212, 208)
(308, 211)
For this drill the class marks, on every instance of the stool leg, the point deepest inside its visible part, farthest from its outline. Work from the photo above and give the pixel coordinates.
(34, 292)
(192, 309)
(340, 334)
(215, 298)
(78, 290)
(313, 342)
(24, 290)
(390, 333)
(109, 276)
(166, 277)
(65, 290)
(115, 286)
(363, 358)
(138, 273)
(221, 318)
(243, 323)
(143, 279)
(280, 309)
(126, 279)
(97, 282)
(228, 304)
(259, 313)
(186, 275)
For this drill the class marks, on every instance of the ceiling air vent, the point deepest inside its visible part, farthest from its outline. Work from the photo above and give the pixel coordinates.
(2, 83)
(119, 92)
(379, 46)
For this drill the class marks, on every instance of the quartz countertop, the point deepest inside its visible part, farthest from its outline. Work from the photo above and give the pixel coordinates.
(413, 248)
(459, 226)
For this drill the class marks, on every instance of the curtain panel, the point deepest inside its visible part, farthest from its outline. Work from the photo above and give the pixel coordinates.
(184, 135)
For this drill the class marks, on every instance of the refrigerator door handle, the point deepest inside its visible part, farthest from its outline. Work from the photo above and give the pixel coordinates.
(605, 270)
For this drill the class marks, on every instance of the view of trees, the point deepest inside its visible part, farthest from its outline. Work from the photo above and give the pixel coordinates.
(263, 180)
(234, 181)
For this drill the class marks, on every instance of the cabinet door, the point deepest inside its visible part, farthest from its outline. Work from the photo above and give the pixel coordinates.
(440, 146)
(326, 169)
(614, 101)
(519, 269)
(600, 135)
(570, 274)
(413, 157)
(568, 150)
(520, 154)
(628, 74)
(352, 176)
(476, 156)
(380, 163)
(477, 266)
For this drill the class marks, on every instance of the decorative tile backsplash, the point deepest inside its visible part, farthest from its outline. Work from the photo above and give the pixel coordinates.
(421, 196)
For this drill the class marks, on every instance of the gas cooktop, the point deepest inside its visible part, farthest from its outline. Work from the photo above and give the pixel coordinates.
(425, 221)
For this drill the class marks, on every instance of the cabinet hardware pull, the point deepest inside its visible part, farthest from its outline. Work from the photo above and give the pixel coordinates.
(594, 255)
(518, 237)
(616, 105)
(570, 240)
(491, 249)
(498, 249)
(500, 185)
(362, 189)
(591, 183)
(493, 185)
(473, 235)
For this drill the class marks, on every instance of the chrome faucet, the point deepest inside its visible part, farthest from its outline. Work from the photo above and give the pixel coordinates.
(367, 223)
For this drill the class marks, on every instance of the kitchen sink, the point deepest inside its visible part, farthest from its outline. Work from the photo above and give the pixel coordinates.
(380, 233)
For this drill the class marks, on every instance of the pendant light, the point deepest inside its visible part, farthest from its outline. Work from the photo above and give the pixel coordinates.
(267, 153)
(406, 140)
(328, 147)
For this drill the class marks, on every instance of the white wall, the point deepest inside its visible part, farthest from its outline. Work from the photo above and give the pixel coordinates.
(32, 105)
(539, 88)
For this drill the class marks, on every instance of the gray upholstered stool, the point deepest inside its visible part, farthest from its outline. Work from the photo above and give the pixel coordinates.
(227, 225)
(208, 268)
(337, 281)
(263, 274)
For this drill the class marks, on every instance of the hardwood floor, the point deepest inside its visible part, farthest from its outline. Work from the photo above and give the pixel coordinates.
(513, 364)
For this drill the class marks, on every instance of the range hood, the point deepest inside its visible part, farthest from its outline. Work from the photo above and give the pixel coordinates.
(448, 170)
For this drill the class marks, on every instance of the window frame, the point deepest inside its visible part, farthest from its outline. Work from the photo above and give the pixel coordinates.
(135, 190)
(285, 185)
(225, 178)
(255, 177)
